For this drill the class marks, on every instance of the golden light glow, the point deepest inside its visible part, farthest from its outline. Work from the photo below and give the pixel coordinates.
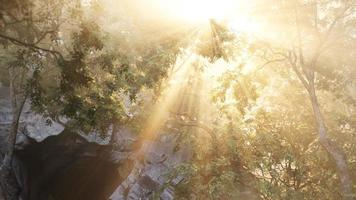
(167, 99)
(196, 12)
(199, 10)
(236, 13)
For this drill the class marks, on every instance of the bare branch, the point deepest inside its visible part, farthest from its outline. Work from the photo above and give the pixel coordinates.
(43, 36)
(293, 63)
(198, 125)
(330, 29)
(270, 62)
(193, 123)
(32, 46)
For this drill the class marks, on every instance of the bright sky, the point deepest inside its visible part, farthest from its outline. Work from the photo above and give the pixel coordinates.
(199, 10)
(195, 11)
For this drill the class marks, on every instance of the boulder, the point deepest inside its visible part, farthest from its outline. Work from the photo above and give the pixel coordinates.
(152, 163)
(32, 124)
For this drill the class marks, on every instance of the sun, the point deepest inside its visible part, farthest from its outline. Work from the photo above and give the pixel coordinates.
(198, 11)
(202, 10)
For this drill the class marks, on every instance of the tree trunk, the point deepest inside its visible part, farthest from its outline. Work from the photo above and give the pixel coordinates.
(331, 147)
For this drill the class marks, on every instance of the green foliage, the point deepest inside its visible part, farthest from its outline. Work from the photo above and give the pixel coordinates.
(73, 64)
(218, 42)
(265, 128)
(92, 83)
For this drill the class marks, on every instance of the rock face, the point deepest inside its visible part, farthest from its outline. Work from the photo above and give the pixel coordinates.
(5, 116)
(152, 163)
(51, 162)
(37, 127)
(54, 163)
(33, 125)
(68, 167)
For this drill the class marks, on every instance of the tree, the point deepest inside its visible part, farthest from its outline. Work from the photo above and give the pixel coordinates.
(86, 65)
(264, 108)
(24, 29)
(307, 66)
(68, 66)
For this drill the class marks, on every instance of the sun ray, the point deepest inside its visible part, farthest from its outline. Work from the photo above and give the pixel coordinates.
(168, 99)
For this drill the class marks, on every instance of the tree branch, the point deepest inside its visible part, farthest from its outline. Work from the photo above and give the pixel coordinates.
(299, 74)
(33, 47)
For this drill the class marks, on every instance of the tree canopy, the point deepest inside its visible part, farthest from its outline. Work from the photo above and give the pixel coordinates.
(264, 98)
